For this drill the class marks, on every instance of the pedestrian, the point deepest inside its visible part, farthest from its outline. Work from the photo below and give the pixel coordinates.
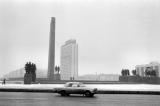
(4, 81)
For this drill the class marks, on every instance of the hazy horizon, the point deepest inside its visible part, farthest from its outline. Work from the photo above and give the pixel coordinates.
(111, 34)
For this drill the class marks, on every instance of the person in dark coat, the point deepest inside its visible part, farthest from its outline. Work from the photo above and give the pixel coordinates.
(4, 81)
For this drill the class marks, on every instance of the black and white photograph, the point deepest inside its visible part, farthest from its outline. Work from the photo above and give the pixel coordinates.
(79, 53)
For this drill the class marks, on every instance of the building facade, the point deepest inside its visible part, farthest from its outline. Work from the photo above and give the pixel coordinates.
(51, 57)
(69, 60)
(140, 69)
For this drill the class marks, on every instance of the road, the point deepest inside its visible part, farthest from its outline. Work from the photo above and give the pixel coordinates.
(52, 99)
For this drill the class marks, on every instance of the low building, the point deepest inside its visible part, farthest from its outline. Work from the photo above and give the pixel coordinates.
(108, 77)
(140, 69)
(100, 77)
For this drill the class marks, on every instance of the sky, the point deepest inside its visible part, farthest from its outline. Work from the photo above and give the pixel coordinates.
(111, 34)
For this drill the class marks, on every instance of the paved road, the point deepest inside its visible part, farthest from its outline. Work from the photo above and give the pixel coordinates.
(51, 99)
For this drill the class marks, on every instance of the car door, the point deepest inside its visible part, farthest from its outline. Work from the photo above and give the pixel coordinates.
(77, 89)
(69, 88)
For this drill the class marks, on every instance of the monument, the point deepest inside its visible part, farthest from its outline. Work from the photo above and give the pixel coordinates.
(51, 57)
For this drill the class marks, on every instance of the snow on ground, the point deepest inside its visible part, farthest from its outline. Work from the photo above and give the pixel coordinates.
(31, 86)
(102, 87)
(127, 87)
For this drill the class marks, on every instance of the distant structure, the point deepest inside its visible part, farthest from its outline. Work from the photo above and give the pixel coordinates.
(51, 57)
(140, 69)
(99, 77)
(69, 60)
(19, 73)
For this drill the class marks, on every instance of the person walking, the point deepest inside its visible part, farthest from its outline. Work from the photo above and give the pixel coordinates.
(4, 81)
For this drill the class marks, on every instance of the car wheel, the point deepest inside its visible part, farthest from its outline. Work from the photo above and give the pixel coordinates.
(67, 94)
(88, 94)
(63, 93)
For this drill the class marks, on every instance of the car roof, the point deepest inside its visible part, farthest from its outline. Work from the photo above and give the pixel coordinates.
(73, 83)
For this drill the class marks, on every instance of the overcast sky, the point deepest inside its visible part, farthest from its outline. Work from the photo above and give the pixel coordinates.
(111, 34)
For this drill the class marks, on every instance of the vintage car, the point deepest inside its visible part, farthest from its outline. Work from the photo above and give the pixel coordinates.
(76, 88)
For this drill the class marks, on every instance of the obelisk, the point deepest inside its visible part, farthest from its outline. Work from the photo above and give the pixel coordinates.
(51, 57)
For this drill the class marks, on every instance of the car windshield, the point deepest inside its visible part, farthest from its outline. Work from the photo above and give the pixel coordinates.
(68, 85)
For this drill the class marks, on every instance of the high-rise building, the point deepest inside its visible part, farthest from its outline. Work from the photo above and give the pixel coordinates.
(51, 57)
(69, 60)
